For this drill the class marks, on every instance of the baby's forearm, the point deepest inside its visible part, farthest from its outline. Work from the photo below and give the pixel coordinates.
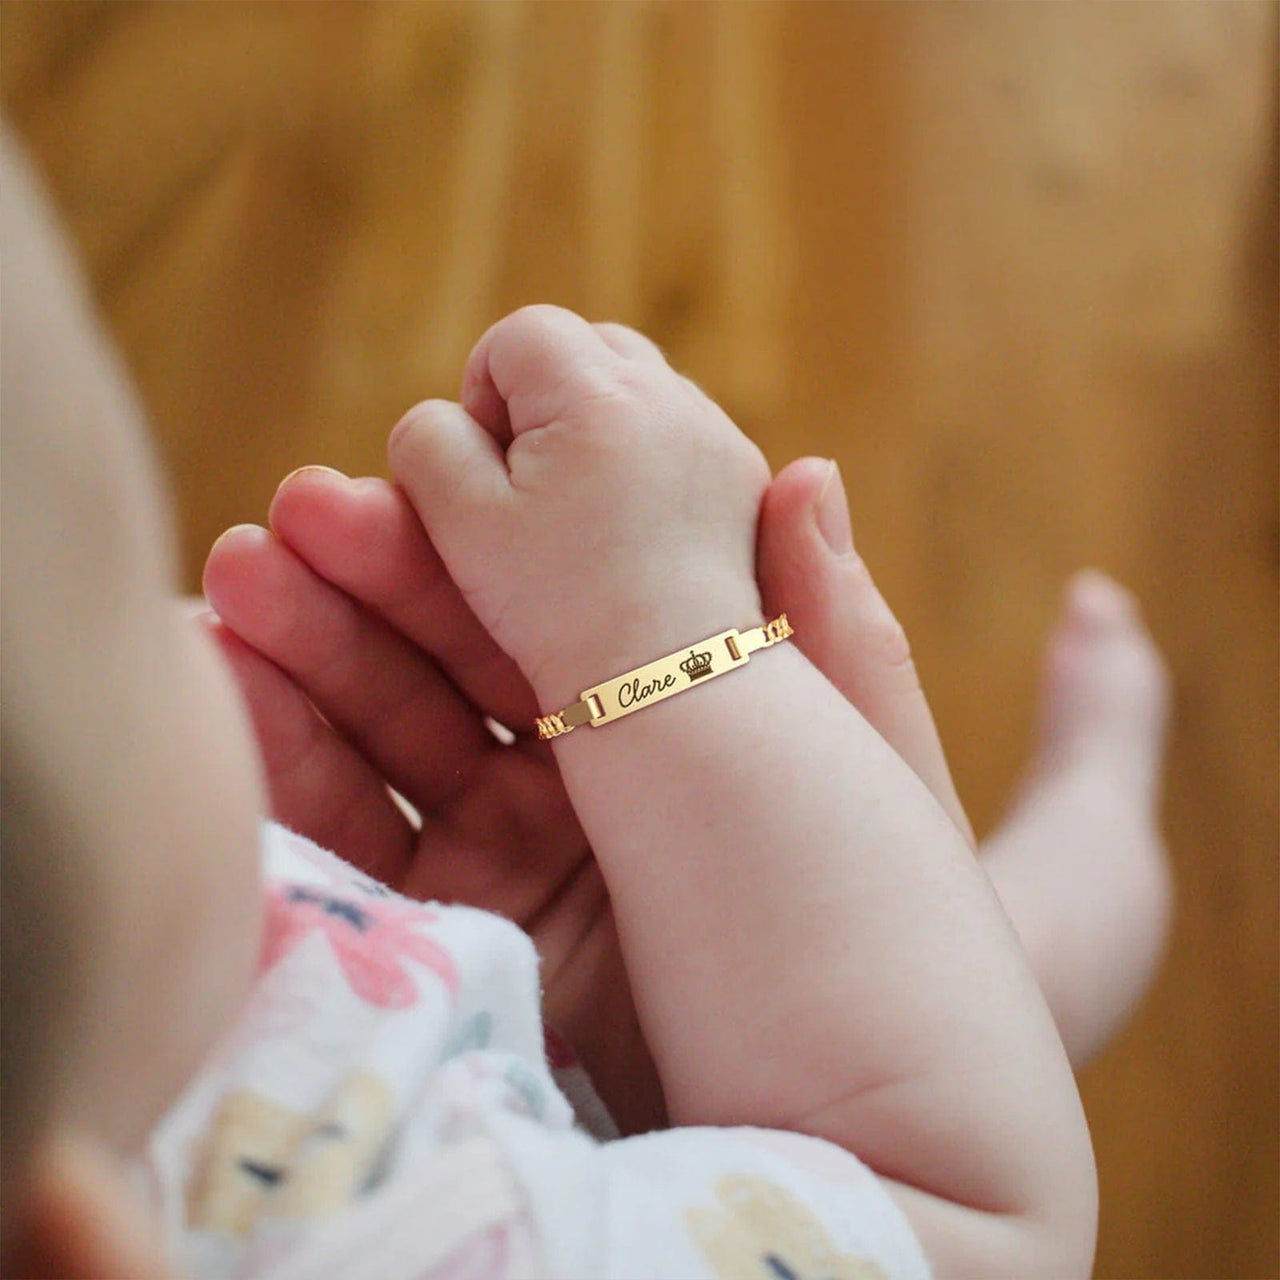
(811, 943)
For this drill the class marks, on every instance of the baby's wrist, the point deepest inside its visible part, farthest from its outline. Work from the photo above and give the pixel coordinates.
(633, 638)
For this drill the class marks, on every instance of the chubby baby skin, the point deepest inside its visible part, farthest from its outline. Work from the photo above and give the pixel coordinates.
(810, 942)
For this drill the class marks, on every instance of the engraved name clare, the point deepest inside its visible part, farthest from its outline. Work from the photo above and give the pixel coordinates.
(637, 690)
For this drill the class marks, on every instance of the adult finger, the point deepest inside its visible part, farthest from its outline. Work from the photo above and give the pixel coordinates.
(806, 565)
(365, 538)
(319, 785)
(368, 681)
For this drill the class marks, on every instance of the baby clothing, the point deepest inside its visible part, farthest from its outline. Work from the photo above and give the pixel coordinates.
(389, 1108)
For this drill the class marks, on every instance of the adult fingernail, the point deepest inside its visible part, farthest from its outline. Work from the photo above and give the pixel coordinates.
(314, 467)
(255, 531)
(832, 513)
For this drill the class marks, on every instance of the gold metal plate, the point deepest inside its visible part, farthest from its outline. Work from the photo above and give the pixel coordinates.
(648, 685)
(664, 678)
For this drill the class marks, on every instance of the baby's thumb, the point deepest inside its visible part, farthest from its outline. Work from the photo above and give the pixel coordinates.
(453, 471)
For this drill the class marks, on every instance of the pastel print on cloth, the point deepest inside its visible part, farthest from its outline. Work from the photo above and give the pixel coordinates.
(370, 938)
(260, 1158)
(759, 1231)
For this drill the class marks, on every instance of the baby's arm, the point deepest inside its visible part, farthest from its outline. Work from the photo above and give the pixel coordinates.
(809, 939)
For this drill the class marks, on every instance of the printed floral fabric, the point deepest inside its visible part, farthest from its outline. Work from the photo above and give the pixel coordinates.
(371, 939)
(390, 1107)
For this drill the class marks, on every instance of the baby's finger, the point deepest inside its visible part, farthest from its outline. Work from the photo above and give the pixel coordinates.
(318, 784)
(522, 367)
(841, 620)
(627, 342)
(454, 473)
(364, 537)
(368, 681)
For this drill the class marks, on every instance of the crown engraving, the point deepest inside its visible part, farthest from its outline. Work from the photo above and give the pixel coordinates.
(697, 665)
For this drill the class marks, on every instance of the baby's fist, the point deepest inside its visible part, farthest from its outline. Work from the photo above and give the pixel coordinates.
(595, 509)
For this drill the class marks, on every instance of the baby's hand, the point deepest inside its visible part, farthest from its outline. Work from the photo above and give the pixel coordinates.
(594, 507)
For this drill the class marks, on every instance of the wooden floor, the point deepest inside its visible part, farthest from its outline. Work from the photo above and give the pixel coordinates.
(1013, 264)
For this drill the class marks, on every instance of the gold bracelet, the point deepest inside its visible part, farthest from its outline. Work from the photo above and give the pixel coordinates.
(647, 685)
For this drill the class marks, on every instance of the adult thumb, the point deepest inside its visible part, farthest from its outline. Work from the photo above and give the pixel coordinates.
(806, 565)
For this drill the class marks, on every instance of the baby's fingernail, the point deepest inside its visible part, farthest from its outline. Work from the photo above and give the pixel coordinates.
(314, 467)
(832, 513)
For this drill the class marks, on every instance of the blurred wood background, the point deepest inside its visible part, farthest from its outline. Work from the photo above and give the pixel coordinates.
(1013, 264)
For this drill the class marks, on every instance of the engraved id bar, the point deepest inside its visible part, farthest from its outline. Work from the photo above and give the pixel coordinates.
(648, 685)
